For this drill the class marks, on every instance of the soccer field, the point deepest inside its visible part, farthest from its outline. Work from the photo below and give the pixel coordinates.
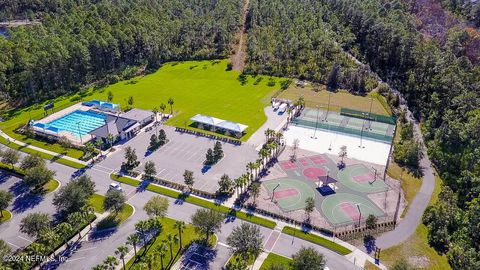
(203, 87)
(199, 87)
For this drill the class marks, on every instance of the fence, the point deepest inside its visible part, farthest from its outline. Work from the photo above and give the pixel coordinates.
(369, 116)
(347, 130)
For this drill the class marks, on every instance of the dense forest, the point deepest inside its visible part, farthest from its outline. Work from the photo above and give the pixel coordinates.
(80, 42)
(83, 41)
(438, 79)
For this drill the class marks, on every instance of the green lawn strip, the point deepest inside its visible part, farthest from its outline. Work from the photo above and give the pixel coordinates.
(6, 215)
(112, 220)
(96, 201)
(51, 186)
(197, 201)
(189, 235)
(316, 240)
(273, 259)
(236, 257)
(44, 155)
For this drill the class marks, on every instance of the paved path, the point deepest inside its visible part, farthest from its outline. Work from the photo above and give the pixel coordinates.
(10, 139)
(274, 121)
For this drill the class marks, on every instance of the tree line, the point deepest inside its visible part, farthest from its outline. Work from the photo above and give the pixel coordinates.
(81, 42)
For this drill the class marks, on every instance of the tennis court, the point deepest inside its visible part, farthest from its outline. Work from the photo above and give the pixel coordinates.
(360, 178)
(344, 208)
(358, 124)
(289, 194)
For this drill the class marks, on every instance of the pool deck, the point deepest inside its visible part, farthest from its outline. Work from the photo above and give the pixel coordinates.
(61, 113)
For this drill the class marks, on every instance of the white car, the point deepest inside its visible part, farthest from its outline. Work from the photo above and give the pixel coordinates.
(115, 186)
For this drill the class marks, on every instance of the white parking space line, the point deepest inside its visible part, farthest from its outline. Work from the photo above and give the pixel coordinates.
(86, 249)
(76, 259)
(24, 238)
(13, 245)
(159, 173)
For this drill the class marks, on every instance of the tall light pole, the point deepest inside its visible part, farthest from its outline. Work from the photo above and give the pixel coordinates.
(316, 124)
(328, 106)
(360, 214)
(370, 114)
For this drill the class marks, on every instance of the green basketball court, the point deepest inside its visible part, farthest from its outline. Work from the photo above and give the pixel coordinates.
(289, 194)
(343, 208)
(360, 178)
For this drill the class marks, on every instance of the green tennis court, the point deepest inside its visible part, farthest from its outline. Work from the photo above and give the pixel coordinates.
(360, 178)
(343, 208)
(290, 194)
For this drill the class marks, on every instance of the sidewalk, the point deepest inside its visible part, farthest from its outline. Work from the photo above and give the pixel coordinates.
(22, 144)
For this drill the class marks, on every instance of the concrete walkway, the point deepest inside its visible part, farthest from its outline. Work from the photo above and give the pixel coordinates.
(55, 154)
(274, 121)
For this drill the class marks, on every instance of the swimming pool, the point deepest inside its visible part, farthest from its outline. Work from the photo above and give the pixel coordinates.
(78, 123)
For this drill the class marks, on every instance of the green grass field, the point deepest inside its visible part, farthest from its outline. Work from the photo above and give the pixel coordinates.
(338, 100)
(51, 186)
(188, 236)
(275, 259)
(196, 86)
(316, 240)
(6, 215)
(112, 220)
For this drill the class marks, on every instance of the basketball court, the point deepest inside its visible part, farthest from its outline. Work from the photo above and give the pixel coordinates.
(344, 208)
(289, 194)
(360, 178)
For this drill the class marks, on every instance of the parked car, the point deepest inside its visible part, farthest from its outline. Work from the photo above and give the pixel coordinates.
(115, 186)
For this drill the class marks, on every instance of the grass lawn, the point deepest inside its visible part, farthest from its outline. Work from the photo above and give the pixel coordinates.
(316, 240)
(410, 184)
(96, 201)
(197, 201)
(236, 257)
(6, 215)
(112, 220)
(188, 236)
(415, 249)
(273, 259)
(196, 86)
(51, 186)
(338, 100)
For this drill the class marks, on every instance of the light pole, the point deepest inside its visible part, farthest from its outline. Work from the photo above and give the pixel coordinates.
(316, 124)
(328, 107)
(79, 134)
(360, 214)
(370, 114)
(361, 132)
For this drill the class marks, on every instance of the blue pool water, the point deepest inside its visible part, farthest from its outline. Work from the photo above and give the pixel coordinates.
(77, 122)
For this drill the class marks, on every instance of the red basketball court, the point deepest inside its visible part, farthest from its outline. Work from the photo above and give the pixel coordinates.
(319, 160)
(350, 210)
(304, 162)
(285, 193)
(288, 165)
(314, 173)
(363, 178)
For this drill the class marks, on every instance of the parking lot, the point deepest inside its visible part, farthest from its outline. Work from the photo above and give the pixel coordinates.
(186, 152)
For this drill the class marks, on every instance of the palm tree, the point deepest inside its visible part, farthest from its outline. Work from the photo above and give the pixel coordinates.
(110, 263)
(255, 190)
(143, 226)
(122, 251)
(289, 111)
(75, 219)
(180, 226)
(133, 240)
(238, 184)
(162, 108)
(65, 230)
(161, 250)
(170, 239)
(87, 211)
(110, 140)
(155, 112)
(149, 260)
(264, 153)
(257, 167)
(245, 181)
(251, 167)
(170, 102)
(274, 145)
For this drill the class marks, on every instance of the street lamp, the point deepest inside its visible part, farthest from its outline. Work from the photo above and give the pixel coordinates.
(328, 107)
(360, 214)
(316, 124)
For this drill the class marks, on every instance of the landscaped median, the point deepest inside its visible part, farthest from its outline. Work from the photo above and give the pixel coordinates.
(197, 201)
(112, 220)
(44, 155)
(275, 259)
(48, 187)
(5, 216)
(316, 240)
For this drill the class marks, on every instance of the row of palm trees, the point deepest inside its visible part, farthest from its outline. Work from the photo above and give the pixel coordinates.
(162, 108)
(138, 239)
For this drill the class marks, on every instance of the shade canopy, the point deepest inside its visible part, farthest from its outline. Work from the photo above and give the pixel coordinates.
(219, 123)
